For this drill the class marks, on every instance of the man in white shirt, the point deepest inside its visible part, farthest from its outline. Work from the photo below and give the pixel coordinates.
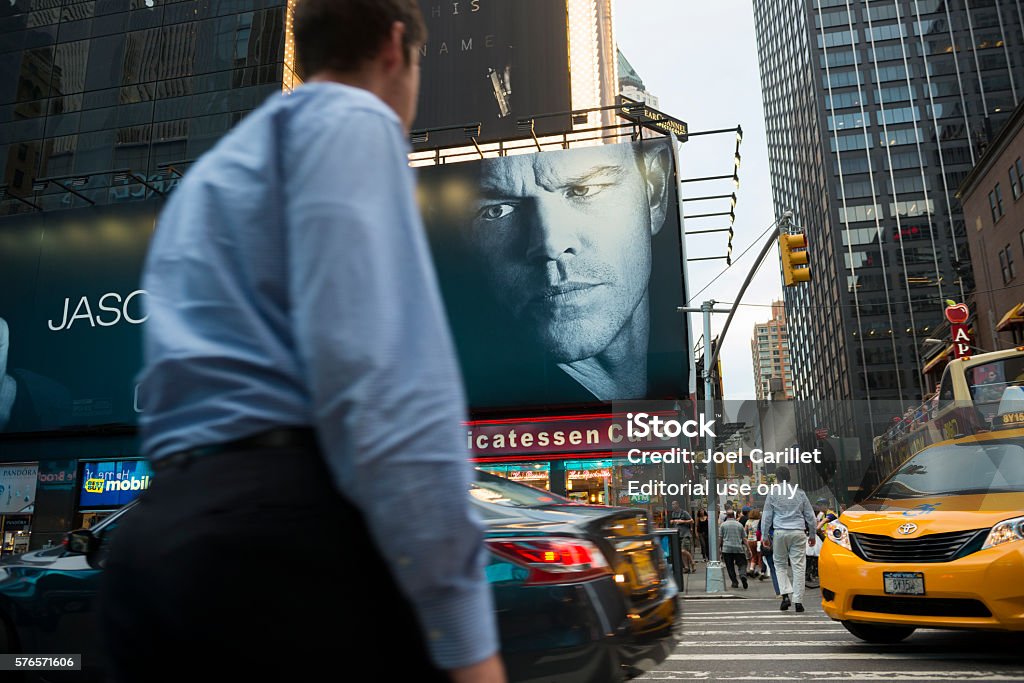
(792, 519)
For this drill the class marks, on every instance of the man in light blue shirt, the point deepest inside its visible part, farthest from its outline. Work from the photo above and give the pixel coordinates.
(792, 517)
(301, 395)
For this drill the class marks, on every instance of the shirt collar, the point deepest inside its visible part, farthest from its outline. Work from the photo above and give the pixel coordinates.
(357, 95)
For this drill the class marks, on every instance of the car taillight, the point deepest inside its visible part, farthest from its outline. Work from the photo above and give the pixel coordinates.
(553, 560)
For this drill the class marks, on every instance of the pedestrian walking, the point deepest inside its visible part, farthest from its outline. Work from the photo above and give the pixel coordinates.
(823, 516)
(750, 531)
(765, 535)
(793, 521)
(731, 545)
(727, 508)
(766, 553)
(702, 533)
(744, 516)
(682, 521)
(812, 551)
(300, 382)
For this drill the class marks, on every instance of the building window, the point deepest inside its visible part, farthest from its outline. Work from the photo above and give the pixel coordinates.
(1016, 171)
(1006, 264)
(995, 202)
(913, 208)
(863, 212)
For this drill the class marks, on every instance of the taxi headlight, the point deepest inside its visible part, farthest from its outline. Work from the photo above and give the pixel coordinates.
(838, 533)
(1005, 532)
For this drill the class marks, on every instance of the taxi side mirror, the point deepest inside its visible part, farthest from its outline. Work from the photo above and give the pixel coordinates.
(92, 545)
(80, 542)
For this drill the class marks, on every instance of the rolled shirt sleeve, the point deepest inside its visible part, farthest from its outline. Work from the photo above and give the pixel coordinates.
(386, 389)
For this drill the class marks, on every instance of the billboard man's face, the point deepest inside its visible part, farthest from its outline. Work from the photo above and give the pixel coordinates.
(565, 238)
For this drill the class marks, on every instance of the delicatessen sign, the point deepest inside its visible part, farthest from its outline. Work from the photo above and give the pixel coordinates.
(487, 438)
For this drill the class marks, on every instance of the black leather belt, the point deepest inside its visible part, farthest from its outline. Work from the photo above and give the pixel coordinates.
(280, 437)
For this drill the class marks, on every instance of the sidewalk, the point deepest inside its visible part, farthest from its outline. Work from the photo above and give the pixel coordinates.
(695, 584)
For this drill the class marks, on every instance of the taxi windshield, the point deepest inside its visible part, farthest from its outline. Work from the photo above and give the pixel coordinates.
(965, 468)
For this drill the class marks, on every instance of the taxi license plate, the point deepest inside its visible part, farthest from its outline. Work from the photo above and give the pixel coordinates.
(645, 573)
(903, 583)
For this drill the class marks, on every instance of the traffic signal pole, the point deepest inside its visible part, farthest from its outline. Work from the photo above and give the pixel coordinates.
(772, 239)
(715, 582)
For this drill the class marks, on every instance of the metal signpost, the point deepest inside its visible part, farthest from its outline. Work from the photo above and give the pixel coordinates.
(783, 231)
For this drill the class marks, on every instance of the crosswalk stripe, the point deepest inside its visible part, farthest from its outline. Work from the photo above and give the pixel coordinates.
(765, 612)
(761, 615)
(835, 675)
(766, 620)
(764, 644)
(791, 656)
(772, 632)
(702, 601)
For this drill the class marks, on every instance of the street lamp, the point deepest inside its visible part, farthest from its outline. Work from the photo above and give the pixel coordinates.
(930, 340)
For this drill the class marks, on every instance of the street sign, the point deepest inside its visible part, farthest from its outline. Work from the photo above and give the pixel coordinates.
(641, 114)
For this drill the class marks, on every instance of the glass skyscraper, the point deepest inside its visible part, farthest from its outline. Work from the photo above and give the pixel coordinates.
(875, 112)
(97, 96)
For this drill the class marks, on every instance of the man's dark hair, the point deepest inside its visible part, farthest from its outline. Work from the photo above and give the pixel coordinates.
(782, 473)
(342, 34)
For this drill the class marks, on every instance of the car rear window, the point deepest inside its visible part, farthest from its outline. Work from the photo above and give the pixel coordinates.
(489, 488)
(970, 467)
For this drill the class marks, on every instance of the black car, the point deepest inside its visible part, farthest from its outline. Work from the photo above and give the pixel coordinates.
(581, 592)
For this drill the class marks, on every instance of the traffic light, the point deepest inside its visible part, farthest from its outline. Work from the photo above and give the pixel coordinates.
(793, 249)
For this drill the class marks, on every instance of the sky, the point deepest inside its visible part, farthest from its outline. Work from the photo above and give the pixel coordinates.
(700, 60)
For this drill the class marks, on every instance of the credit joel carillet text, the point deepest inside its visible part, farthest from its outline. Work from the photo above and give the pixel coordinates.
(642, 427)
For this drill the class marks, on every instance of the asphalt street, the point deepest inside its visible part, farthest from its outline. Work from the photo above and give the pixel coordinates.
(742, 635)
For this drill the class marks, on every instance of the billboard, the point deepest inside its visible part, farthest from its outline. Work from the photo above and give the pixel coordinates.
(492, 62)
(561, 273)
(113, 483)
(18, 488)
(71, 308)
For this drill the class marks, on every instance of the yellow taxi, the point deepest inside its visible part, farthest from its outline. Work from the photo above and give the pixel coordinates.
(939, 544)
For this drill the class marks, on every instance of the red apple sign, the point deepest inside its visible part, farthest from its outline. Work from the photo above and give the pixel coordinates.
(957, 313)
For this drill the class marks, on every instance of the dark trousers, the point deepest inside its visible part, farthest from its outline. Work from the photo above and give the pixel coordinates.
(732, 561)
(250, 566)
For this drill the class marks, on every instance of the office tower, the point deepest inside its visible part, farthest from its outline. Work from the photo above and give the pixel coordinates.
(98, 94)
(875, 112)
(769, 347)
